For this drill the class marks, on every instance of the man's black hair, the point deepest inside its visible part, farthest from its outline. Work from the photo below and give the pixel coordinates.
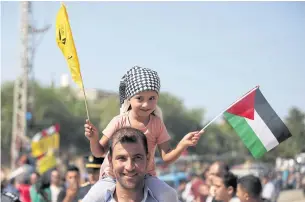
(230, 180)
(128, 135)
(251, 184)
(73, 168)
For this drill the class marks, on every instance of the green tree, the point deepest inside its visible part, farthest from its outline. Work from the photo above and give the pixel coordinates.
(63, 106)
(108, 108)
(178, 120)
(7, 90)
(296, 125)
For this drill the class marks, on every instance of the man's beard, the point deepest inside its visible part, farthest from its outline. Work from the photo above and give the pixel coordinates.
(135, 185)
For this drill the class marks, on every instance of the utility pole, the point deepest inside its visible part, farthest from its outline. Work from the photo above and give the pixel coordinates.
(23, 92)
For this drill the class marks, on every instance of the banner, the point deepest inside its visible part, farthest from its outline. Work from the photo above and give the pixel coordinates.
(45, 141)
(45, 163)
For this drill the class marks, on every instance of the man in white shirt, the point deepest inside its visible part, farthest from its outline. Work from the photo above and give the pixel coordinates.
(55, 185)
(268, 188)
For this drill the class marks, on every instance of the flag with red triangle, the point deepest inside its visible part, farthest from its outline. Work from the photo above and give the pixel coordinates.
(257, 124)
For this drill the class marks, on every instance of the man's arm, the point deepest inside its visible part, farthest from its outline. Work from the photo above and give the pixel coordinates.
(71, 192)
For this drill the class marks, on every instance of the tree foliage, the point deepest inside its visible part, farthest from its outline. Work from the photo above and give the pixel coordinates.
(61, 105)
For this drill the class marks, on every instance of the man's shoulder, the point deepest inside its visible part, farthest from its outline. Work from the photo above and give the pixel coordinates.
(149, 195)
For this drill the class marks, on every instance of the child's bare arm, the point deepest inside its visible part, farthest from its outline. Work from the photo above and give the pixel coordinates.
(171, 155)
(98, 147)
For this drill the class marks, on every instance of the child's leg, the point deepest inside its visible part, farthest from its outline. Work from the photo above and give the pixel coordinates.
(98, 192)
(161, 191)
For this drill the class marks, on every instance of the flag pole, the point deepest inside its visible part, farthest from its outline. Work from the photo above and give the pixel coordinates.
(86, 104)
(209, 123)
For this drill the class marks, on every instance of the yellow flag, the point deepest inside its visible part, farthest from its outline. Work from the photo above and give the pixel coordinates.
(46, 163)
(66, 44)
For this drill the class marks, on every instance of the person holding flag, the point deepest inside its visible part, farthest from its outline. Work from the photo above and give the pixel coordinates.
(139, 92)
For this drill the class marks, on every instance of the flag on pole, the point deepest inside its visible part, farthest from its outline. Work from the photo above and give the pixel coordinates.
(256, 123)
(66, 44)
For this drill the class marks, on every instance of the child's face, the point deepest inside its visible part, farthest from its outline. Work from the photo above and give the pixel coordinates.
(144, 103)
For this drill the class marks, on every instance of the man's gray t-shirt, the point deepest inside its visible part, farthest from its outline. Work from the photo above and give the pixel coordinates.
(94, 194)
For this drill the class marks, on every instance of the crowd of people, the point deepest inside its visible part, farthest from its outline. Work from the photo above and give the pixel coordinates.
(53, 186)
(128, 159)
(218, 183)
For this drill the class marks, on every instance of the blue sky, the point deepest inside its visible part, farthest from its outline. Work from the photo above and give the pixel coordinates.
(206, 53)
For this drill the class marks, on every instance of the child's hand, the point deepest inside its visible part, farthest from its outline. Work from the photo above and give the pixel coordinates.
(191, 139)
(196, 137)
(90, 130)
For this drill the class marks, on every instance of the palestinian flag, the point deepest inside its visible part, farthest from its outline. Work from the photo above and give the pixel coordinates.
(256, 123)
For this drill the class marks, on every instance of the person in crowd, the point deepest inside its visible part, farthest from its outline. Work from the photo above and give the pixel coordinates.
(216, 169)
(40, 191)
(203, 193)
(181, 188)
(268, 188)
(71, 188)
(93, 166)
(9, 197)
(277, 181)
(9, 186)
(23, 186)
(225, 187)
(196, 183)
(34, 177)
(55, 184)
(249, 189)
(187, 194)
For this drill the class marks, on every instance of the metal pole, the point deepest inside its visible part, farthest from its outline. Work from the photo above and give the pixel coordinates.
(23, 95)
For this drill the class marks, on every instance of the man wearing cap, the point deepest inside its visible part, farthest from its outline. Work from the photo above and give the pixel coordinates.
(92, 165)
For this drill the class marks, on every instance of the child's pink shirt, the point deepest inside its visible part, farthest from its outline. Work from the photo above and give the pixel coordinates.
(155, 132)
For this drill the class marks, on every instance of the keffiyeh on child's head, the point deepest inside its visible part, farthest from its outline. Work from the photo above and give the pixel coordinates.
(137, 80)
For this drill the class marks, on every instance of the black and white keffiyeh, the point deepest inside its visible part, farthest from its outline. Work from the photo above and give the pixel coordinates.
(136, 80)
